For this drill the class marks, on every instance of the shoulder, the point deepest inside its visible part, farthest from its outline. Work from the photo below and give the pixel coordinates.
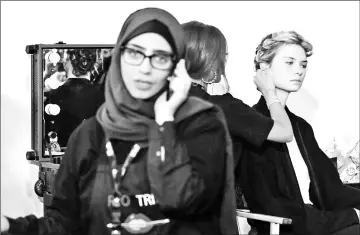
(83, 145)
(233, 107)
(86, 136)
(261, 108)
(226, 99)
(89, 126)
(209, 120)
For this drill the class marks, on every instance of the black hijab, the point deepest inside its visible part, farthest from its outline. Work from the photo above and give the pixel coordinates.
(123, 116)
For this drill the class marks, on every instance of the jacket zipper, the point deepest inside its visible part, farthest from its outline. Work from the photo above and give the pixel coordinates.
(291, 165)
(313, 173)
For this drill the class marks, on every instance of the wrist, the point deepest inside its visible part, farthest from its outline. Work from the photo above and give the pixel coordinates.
(273, 101)
(270, 95)
(160, 119)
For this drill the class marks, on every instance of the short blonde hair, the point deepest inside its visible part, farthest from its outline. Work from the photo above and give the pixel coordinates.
(266, 50)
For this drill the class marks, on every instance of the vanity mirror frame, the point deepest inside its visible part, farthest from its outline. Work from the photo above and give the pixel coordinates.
(37, 152)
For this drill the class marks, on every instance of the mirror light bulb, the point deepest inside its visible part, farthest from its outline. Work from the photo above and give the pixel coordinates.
(52, 109)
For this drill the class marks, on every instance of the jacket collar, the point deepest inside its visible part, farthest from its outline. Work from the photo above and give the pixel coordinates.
(198, 91)
(74, 81)
(262, 107)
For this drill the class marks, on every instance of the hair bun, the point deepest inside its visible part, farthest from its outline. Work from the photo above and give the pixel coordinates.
(82, 60)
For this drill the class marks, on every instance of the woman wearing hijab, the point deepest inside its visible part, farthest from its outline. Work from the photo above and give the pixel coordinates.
(150, 162)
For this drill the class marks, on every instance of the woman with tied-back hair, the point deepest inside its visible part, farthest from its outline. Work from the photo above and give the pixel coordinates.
(206, 56)
(78, 98)
(295, 180)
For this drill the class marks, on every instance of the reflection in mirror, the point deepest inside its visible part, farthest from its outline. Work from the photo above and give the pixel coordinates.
(73, 85)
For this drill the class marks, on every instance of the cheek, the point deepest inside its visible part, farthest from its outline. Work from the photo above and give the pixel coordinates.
(304, 73)
(281, 75)
(160, 78)
(128, 74)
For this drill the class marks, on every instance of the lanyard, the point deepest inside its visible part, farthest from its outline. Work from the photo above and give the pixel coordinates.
(114, 171)
(117, 199)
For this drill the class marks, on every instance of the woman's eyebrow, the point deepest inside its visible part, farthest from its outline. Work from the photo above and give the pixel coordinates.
(137, 46)
(289, 57)
(153, 51)
(163, 52)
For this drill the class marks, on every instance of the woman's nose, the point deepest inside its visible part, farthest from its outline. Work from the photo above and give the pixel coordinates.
(145, 66)
(299, 70)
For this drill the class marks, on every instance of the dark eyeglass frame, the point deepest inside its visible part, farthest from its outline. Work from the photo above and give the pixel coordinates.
(171, 56)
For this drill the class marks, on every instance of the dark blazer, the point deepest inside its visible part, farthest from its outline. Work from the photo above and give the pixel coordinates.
(270, 185)
(245, 124)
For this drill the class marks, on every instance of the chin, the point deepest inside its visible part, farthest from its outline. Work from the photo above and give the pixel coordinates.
(289, 88)
(141, 95)
(294, 89)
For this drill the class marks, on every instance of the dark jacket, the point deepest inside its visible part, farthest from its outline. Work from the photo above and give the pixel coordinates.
(245, 124)
(270, 184)
(189, 182)
(78, 99)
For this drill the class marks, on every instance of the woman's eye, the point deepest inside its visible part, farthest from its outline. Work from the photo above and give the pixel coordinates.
(133, 53)
(289, 62)
(162, 59)
(304, 66)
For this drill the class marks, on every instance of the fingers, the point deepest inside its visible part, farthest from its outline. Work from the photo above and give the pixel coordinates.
(264, 80)
(181, 81)
(181, 64)
(180, 68)
(262, 73)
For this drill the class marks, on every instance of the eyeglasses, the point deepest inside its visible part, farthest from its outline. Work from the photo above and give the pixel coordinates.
(157, 61)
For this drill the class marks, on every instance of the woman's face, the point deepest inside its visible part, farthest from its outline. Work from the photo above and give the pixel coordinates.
(143, 81)
(289, 67)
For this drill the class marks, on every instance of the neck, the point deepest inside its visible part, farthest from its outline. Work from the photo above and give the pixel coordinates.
(282, 96)
(86, 76)
(199, 81)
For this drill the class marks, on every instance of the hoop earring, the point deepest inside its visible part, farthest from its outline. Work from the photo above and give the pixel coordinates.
(213, 80)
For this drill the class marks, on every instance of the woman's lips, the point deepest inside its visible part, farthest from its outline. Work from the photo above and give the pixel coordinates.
(143, 85)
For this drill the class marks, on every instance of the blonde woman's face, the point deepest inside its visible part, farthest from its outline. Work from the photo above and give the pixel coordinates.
(289, 67)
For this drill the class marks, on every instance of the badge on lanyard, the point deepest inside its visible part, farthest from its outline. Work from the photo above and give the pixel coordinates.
(134, 223)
